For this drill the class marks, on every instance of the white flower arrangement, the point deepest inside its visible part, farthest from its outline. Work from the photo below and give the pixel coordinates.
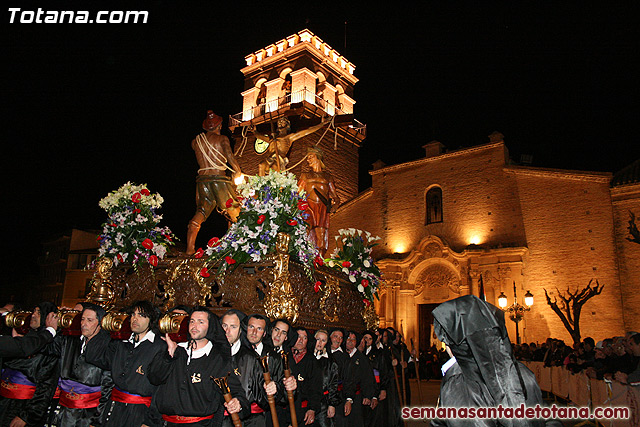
(352, 256)
(269, 204)
(132, 234)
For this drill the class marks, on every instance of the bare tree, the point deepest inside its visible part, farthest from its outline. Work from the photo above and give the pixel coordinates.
(569, 307)
(633, 229)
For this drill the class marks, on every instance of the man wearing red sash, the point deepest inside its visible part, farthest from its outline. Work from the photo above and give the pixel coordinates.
(129, 362)
(187, 394)
(28, 385)
(85, 389)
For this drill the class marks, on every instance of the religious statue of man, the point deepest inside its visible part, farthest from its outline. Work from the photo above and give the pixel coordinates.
(213, 187)
(321, 196)
(280, 142)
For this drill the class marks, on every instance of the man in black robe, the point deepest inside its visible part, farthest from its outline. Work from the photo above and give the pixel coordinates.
(346, 386)
(129, 362)
(30, 343)
(85, 389)
(246, 367)
(328, 368)
(28, 384)
(482, 371)
(360, 370)
(281, 342)
(375, 415)
(304, 369)
(187, 394)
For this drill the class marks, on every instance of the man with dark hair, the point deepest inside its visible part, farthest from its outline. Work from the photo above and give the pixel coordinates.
(85, 389)
(328, 371)
(259, 338)
(187, 394)
(31, 343)
(247, 368)
(360, 370)
(633, 379)
(304, 369)
(129, 362)
(28, 385)
(346, 386)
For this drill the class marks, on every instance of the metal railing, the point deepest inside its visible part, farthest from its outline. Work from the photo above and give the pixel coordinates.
(285, 101)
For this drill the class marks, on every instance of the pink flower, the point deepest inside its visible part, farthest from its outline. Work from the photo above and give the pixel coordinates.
(153, 260)
(204, 272)
(136, 198)
(147, 243)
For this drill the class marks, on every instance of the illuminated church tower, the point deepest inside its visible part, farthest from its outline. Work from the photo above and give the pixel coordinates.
(300, 78)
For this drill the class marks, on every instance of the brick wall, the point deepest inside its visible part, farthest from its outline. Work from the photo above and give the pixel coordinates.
(570, 236)
(627, 198)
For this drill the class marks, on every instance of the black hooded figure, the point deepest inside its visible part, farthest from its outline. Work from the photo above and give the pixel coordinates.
(185, 381)
(28, 385)
(483, 371)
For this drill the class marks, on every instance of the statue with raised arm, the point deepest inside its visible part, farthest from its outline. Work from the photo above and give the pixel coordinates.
(280, 142)
(213, 187)
(321, 196)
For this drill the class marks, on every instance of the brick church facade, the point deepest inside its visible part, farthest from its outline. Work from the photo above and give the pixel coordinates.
(453, 220)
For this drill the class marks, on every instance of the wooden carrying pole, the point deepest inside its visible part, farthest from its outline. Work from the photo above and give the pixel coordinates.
(267, 380)
(226, 393)
(395, 375)
(415, 364)
(292, 405)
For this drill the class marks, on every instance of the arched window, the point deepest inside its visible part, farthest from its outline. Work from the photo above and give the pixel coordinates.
(434, 206)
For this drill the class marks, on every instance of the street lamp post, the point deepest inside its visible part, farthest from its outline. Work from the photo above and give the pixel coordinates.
(515, 310)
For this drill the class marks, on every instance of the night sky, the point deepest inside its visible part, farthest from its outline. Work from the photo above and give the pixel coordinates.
(88, 107)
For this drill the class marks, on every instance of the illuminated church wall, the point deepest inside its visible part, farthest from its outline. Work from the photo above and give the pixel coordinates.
(569, 227)
(537, 228)
(626, 199)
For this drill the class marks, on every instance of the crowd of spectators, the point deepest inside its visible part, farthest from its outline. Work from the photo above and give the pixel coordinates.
(612, 359)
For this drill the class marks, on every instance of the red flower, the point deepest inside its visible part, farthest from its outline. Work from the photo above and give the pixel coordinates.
(136, 198)
(303, 205)
(199, 253)
(229, 260)
(213, 242)
(366, 302)
(147, 243)
(136, 210)
(120, 258)
(229, 203)
(292, 222)
(365, 283)
(168, 237)
(318, 262)
(204, 272)
(145, 192)
(261, 219)
(153, 260)
(346, 264)
(113, 224)
(316, 287)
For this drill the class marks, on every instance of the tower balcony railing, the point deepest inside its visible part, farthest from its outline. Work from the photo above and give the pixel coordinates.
(297, 97)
